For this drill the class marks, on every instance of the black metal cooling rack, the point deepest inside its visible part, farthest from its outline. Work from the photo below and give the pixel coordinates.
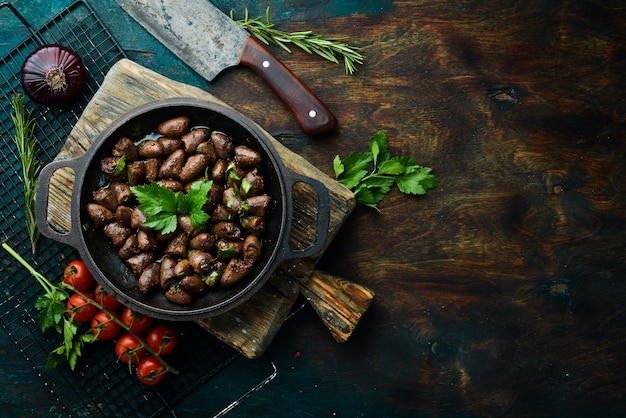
(79, 393)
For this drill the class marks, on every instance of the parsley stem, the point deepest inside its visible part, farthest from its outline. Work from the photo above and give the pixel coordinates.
(48, 287)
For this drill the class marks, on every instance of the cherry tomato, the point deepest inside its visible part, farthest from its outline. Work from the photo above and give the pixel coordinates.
(105, 299)
(136, 321)
(76, 274)
(129, 349)
(80, 309)
(162, 338)
(150, 371)
(104, 327)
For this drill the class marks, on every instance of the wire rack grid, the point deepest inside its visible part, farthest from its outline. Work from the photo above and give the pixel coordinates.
(199, 355)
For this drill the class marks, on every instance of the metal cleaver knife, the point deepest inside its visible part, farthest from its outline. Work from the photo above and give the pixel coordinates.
(209, 42)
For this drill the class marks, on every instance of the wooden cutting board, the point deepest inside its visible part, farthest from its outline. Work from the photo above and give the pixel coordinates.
(251, 326)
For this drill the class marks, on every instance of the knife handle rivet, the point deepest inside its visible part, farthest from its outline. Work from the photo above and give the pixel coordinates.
(266, 64)
(312, 113)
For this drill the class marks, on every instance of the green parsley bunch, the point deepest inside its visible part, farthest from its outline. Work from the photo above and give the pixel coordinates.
(371, 175)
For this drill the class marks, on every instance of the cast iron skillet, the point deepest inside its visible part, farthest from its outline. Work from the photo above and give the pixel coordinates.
(102, 258)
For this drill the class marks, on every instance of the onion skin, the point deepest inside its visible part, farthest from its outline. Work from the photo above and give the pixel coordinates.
(53, 75)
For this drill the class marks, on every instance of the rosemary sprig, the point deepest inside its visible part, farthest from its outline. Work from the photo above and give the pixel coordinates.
(27, 148)
(329, 48)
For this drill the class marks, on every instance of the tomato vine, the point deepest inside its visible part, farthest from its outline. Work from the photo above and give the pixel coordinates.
(60, 308)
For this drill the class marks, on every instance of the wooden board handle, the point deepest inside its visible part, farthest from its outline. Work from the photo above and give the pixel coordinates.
(338, 302)
(312, 115)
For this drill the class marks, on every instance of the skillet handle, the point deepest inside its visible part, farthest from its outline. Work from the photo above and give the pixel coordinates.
(323, 217)
(42, 197)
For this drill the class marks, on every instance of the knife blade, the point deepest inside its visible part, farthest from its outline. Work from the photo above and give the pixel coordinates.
(209, 42)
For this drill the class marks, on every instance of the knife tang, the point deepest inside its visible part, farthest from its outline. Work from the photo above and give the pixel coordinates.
(312, 115)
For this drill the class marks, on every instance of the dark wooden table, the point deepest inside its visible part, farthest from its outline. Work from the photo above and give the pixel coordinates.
(501, 292)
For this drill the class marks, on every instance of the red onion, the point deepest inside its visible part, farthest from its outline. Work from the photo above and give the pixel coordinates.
(53, 75)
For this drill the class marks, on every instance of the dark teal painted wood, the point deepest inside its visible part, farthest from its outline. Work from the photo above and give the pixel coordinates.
(542, 336)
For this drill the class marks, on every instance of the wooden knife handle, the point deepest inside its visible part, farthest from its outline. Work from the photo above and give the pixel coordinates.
(312, 115)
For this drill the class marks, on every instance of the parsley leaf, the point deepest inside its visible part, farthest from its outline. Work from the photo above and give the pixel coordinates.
(71, 349)
(372, 190)
(162, 206)
(194, 201)
(121, 165)
(418, 182)
(355, 168)
(51, 307)
(211, 279)
(195, 198)
(198, 217)
(378, 147)
(228, 252)
(338, 166)
(392, 167)
(165, 222)
(154, 198)
(230, 171)
(245, 185)
(159, 204)
(384, 171)
(365, 197)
